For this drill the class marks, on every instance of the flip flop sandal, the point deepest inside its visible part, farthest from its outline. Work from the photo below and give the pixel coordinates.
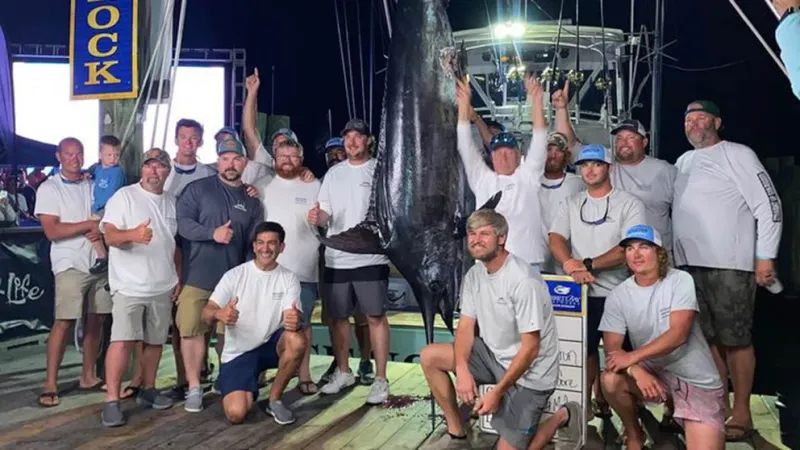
(304, 389)
(747, 431)
(134, 390)
(53, 396)
(601, 410)
(100, 386)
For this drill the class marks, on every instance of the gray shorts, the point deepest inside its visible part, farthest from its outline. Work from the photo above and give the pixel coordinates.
(521, 408)
(344, 289)
(141, 318)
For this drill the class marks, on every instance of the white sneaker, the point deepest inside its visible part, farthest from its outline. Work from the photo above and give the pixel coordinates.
(339, 380)
(378, 392)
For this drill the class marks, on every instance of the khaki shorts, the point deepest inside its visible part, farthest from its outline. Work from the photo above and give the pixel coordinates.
(141, 318)
(73, 287)
(188, 319)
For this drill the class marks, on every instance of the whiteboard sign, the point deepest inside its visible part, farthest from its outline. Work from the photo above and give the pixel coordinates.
(569, 307)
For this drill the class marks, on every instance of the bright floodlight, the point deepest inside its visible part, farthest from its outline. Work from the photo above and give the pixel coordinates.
(509, 29)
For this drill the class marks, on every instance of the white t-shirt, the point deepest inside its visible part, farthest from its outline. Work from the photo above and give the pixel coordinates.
(140, 270)
(181, 175)
(262, 156)
(71, 203)
(551, 194)
(653, 182)
(263, 296)
(345, 195)
(509, 302)
(527, 234)
(643, 312)
(591, 241)
(726, 212)
(255, 171)
(287, 202)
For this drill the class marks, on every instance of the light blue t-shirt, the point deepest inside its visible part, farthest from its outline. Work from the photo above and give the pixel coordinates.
(788, 36)
(107, 180)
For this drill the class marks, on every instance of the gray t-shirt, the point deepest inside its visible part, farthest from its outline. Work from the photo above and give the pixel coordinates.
(643, 312)
(653, 182)
(590, 238)
(509, 302)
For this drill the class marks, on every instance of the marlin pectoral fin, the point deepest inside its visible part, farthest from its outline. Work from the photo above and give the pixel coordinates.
(461, 228)
(361, 239)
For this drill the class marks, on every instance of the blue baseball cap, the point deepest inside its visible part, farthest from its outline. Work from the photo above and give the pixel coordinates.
(284, 132)
(503, 140)
(231, 146)
(226, 130)
(593, 152)
(641, 233)
(334, 142)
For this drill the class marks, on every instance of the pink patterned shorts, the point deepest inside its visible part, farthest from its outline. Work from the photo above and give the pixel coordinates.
(691, 402)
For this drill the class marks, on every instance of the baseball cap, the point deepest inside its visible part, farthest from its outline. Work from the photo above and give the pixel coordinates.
(503, 140)
(226, 130)
(284, 132)
(630, 125)
(593, 152)
(559, 140)
(703, 106)
(231, 145)
(158, 155)
(356, 125)
(334, 142)
(642, 233)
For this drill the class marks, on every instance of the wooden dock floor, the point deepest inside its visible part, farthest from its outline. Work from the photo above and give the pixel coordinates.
(323, 422)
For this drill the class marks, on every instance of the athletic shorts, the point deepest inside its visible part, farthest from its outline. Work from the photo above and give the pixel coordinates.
(726, 299)
(74, 287)
(364, 288)
(521, 408)
(241, 373)
(691, 402)
(143, 319)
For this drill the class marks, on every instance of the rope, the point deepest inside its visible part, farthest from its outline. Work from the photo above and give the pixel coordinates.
(388, 19)
(174, 73)
(166, 55)
(341, 53)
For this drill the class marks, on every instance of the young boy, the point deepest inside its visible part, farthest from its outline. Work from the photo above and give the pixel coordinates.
(108, 178)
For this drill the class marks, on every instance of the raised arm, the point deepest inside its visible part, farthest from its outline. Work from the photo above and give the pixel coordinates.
(537, 152)
(470, 153)
(788, 36)
(560, 101)
(483, 129)
(252, 140)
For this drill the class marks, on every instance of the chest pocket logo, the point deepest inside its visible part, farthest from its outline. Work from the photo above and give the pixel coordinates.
(300, 201)
(240, 206)
(278, 296)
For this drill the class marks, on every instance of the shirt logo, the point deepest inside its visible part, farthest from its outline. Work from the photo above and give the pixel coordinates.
(278, 295)
(366, 184)
(240, 206)
(300, 201)
(102, 183)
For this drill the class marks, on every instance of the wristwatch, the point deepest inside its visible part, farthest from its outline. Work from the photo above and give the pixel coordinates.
(588, 264)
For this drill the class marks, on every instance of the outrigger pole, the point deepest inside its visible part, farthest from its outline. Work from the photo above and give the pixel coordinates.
(758, 35)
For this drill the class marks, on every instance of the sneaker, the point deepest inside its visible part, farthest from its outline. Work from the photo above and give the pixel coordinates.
(339, 380)
(326, 377)
(176, 393)
(152, 398)
(570, 433)
(365, 374)
(112, 415)
(279, 412)
(378, 392)
(194, 400)
(100, 266)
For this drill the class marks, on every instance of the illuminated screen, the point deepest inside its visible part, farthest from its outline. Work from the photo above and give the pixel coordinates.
(43, 110)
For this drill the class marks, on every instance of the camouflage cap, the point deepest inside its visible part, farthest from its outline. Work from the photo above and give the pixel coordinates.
(158, 155)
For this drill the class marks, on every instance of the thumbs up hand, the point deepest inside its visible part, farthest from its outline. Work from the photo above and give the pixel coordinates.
(223, 233)
(229, 314)
(317, 216)
(293, 318)
(143, 234)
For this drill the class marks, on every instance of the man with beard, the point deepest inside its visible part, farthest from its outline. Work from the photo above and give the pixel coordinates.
(557, 185)
(217, 217)
(516, 348)
(649, 179)
(253, 170)
(259, 304)
(353, 281)
(286, 201)
(585, 236)
(334, 151)
(185, 167)
(140, 224)
(64, 207)
(520, 183)
(727, 221)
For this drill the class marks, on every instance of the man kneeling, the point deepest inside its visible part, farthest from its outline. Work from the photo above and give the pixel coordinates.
(671, 360)
(253, 300)
(517, 349)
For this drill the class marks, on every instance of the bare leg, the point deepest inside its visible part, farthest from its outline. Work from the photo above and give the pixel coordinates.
(194, 350)
(722, 367)
(56, 343)
(150, 359)
(593, 364)
(622, 394)
(220, 345)
(546, 431)
(702, 436)
(138, 376)
(117, 357)
(291, 348)
(437, 361)
(178, 355)
(742, 362)
(236, 406)
(340, 331)
(379, 335)
(91, 346)
(305, 364)
(364, 341)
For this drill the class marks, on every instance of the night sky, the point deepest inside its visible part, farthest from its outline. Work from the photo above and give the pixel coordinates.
(299, 38)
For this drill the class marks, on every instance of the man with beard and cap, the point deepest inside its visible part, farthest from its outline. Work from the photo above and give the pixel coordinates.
(727, 221)
(585, 236)
(649, 179)
(557, 185)
(286, 201)
(216, 217)
(185, 167)
(515, 348)
(353, 281)
(140, 224)
(254, 170)
(519, 182)
(334, 151)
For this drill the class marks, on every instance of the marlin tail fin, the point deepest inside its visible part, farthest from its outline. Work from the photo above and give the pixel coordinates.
(461, 228)
(361, 239)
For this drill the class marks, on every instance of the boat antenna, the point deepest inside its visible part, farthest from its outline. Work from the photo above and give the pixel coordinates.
(554, 80)
(605, 84)
(349, 58)
(341, 53)
(361, 62)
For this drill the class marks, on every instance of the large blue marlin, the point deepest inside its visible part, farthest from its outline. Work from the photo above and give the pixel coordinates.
(417, 210)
